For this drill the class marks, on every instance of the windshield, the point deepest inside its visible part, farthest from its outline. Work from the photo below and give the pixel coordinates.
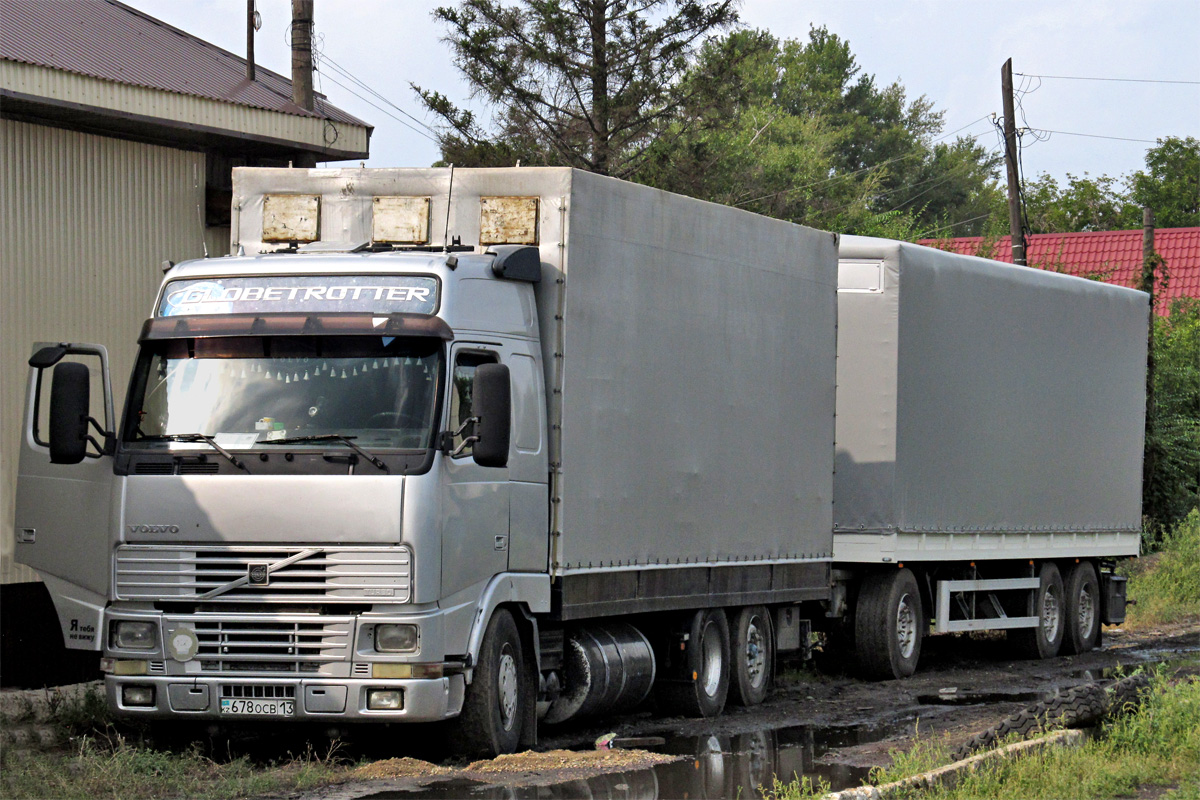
(245, 391)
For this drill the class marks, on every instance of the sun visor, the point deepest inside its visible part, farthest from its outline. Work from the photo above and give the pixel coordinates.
(283, 324)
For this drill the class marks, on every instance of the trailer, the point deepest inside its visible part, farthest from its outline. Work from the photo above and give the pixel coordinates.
(488, 446)
(988, 468)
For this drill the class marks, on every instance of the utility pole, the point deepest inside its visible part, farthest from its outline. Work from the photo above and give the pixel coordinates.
(1010, 160)
(250, 40)
(302, 63)
(1149, 263)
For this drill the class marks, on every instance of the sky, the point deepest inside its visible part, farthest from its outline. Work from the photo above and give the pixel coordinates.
(951, 51)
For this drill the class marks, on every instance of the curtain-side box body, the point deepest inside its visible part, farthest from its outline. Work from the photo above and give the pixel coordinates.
(689, 358)
(984, 411)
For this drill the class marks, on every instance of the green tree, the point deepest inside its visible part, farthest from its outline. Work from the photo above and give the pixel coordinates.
(1170, 183)
(585, 83)
(1172, 485)
(806, 136)
(1084, 204)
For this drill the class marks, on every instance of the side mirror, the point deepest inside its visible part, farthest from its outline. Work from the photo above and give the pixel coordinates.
(69, 397)
(492, 400)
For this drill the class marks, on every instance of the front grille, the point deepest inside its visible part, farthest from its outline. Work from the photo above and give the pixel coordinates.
(295, 645)
(294, 574)
(257, 691)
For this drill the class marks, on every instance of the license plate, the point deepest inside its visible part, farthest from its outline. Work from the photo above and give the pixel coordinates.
(258, 708)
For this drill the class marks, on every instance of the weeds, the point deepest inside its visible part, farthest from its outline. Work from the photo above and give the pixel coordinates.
(1157, 746)
(1166, 585)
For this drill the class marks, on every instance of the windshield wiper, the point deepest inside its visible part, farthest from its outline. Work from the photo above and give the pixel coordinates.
(333, 437)
(199, 437)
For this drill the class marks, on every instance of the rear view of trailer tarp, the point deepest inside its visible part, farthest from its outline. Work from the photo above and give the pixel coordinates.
(984, 410)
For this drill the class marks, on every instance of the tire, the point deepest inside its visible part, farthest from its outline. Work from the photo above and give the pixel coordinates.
(1126, 695)
(752, 666)
(500, 700)
(889, 624)
(1046, 639)
(1082, 589)
(703, 687)
(1076, 708)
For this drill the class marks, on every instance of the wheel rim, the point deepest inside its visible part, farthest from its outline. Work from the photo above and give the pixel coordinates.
(1051, 615)
(756, 654)
(506, 684)
(1087, 610)
(710, 669)
(906, 626)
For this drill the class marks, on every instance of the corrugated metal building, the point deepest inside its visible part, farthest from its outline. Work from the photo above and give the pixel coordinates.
(117, 137)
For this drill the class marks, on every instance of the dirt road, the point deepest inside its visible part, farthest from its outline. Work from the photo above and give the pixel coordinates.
(822, 724)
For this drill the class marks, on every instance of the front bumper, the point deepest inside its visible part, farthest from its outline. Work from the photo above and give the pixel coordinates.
(343, 700)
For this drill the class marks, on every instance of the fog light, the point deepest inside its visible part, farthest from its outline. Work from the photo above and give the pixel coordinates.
(396, 638)
(137, 696)
(118, 666)
(129, 635)
(385, 699)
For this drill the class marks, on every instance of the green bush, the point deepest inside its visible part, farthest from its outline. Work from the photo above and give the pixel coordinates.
(1166, 585)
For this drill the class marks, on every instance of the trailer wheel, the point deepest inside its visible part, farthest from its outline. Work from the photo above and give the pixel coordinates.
(1083, 609)
(889, 624)
(753, 656)
(497, 702)
(703, 688)
(1049, 607)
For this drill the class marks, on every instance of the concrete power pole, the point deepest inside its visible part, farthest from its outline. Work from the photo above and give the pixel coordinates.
(1010, 160)
(302, 63)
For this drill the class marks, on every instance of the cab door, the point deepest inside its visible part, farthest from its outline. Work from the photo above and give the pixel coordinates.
(475, 532)
(63, 520)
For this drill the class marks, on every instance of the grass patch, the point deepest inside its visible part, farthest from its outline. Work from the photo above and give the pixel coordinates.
(1158, 746)
(1166, 585)
(115, 768)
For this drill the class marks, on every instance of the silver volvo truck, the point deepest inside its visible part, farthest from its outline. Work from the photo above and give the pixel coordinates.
(492, 445)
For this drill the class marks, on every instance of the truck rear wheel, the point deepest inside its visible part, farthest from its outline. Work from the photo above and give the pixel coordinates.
(1083, 609)
(889, 624)
(703, 688)
(1049, 607)
(498, 701)
(753, 659)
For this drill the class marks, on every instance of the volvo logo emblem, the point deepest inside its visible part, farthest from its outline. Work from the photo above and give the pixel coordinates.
(153, 529)
(258, 575)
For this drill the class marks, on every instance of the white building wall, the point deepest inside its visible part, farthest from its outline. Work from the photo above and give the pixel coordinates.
(85, 222)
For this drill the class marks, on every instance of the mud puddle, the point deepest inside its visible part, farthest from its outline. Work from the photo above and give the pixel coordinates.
(707, 766)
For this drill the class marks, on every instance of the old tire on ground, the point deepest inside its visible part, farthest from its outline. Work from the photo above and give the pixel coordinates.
(1082, 592)
(753, 661)
(889, 624)
(702, 685)
(1075, 708)
(1049, 607)
(1127, 694)
(499, 698)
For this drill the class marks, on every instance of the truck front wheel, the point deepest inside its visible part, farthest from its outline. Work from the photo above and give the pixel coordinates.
(1083, 609)
(753, 656)
(498, 700)
(1049, 607)
(889, 624)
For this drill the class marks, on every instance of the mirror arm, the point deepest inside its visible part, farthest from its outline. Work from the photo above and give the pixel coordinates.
(448, 438)
(467, 442)
(110, 438)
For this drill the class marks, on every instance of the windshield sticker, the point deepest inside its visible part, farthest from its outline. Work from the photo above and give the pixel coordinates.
(375, 293)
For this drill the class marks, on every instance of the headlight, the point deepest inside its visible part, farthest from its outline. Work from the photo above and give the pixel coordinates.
(396, 638)
(128, 635)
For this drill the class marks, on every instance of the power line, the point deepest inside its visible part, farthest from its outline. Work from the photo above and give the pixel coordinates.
(382, 109)
(955, 224)
(362, 84)
(1114, 80)
(1093, 136)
